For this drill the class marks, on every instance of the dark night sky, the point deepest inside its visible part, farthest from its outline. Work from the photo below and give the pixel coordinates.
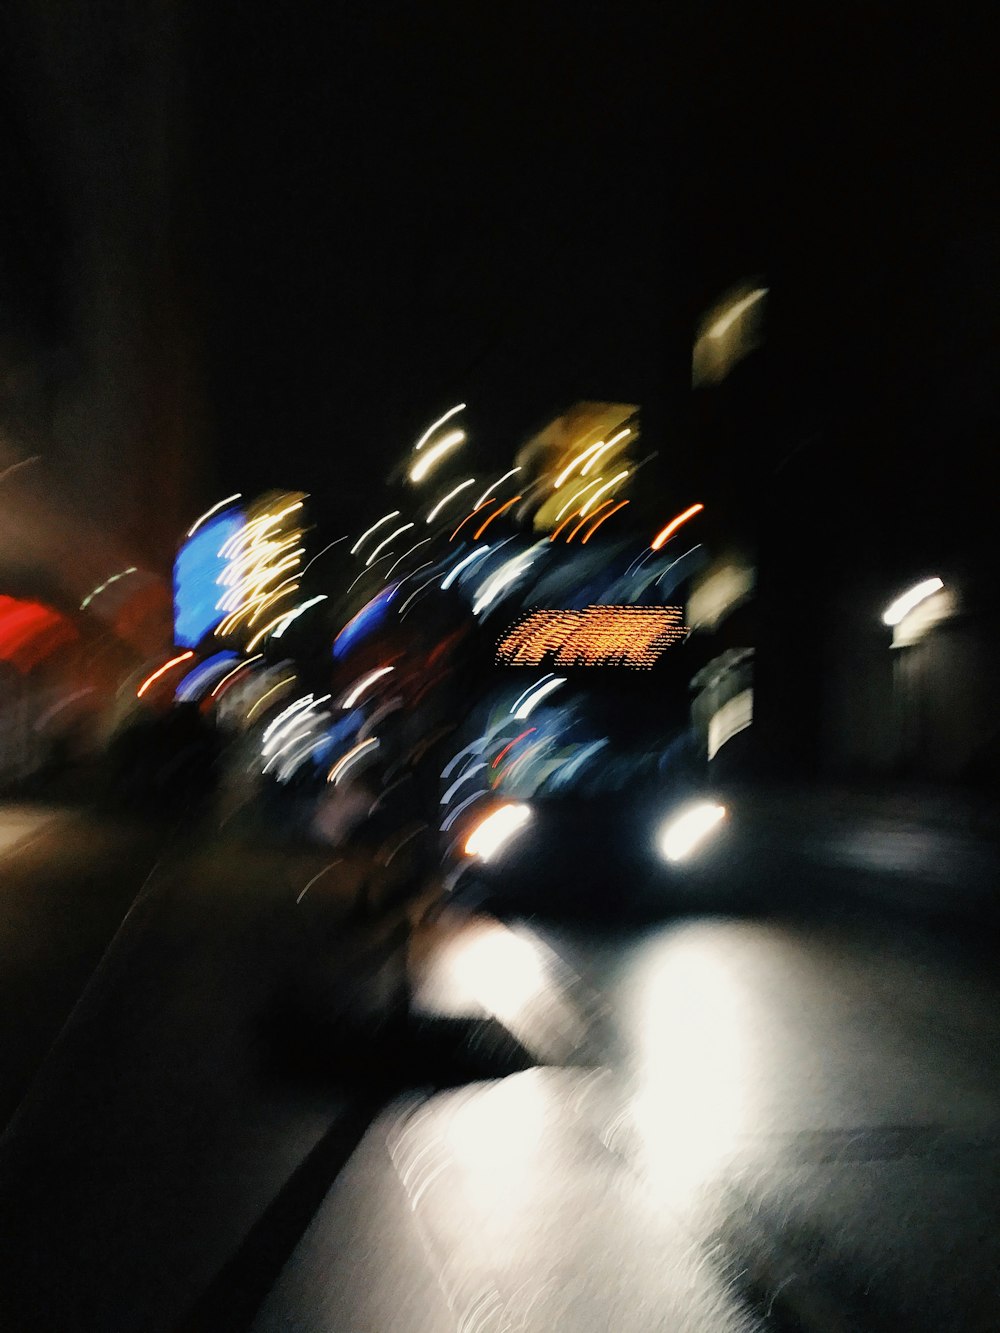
(385, 208)
(516, 207)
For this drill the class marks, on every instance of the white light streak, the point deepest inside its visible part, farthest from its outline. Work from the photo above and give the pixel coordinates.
(267, 694)
(576, 495)
(433, 455)
(681, 835)
(569, 770)
(602, 449)
(530, 690)
(398, 562)
(490, 489)
(296, 612)
(575, 462)
(416, 593)
(107, 582)
(296, 759)
(497, 828)
(451, 494)
(368, 531)
(477, 554)
(326, 548)
(463, 805)
(476, 747)
(236, 669)
(733, 313)
(606, 487)
(452, 411)
(461, 780)
(365, 571)
(346, 762)
(508, 572)
(540, 693)
(275, 723)
(293, 738)
(386, 540)
(363, 684)
(904, 604)
(263, 633)
(214, 510)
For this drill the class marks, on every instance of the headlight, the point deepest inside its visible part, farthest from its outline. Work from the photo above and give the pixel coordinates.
(495, 829)
(684, 832)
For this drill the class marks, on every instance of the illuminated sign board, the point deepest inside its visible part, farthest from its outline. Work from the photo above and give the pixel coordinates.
(629, 636)
(197, 569)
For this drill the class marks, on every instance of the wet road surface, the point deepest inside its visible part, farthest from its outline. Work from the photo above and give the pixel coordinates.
(734, 1124)
(711, 1122)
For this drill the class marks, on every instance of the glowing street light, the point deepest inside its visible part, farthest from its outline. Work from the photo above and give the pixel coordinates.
(905, 603)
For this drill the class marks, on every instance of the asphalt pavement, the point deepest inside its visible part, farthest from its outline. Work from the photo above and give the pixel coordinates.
(66, 883)
(733, 1124)
(721, 1119)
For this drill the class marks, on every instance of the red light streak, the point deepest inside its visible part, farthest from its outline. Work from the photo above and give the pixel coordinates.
(511, 745)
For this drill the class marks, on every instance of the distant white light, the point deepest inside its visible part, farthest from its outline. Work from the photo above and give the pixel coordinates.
(904, 604)
(385, 542)
(452, 411)
(477, 554)
(368, 531)
(336, 540)
(209, 512)
(576, 495)
(363, 684)
(460, 781)
(495, 486)
(286, 713)
(510, 570)
(536, 697)
(530, 690)
(682, 834)
(497, 828)
(451, 494)
(421, 468)
(294, 615)
(347, 761)
(733, 313)
(406, 554)
(606, 487)
(106, 584)
(574, 463)
(620, 435)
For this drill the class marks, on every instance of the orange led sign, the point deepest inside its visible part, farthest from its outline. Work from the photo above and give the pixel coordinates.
(631, 636)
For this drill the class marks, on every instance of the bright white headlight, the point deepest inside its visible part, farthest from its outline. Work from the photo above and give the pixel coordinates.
(681, 834)
(497, 828)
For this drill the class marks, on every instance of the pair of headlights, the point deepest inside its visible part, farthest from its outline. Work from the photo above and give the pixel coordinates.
(678, 838)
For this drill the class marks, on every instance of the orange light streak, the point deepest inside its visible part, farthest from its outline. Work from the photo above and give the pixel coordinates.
(673, 525)
(587, 517)
(496, 514)
(563, 524)
(587, 536)
(472, 514)
(174, 661)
